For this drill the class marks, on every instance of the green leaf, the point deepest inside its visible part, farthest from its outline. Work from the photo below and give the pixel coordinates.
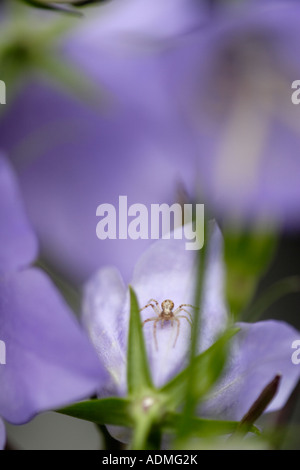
(207, 367)
(138, 372)
(201, 427)
(114, 411)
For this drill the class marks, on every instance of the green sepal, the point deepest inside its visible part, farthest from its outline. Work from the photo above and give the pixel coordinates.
(207, 367)
(138, 371)
(202, 427)
(114, 411)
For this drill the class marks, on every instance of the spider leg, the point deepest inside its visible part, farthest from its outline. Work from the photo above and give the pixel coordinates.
(183, 316)
(184, 305)
(180, 309)
(154, 332)
(153, 300)
(149, 319)
(155, 320)
(178, 328)
(155, 307)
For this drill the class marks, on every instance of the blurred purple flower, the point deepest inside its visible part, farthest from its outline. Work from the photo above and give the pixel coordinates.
(167, 271)
(49, 360)
(72, 155)
(233, 83)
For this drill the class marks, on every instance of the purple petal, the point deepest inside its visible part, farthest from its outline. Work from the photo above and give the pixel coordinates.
(260, 352)
(165, 271)
(49, 360)
(143, 20)
(104, 298)
(2, 435)
(18, 244)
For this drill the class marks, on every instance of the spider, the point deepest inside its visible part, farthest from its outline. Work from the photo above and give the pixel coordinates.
(166, 314)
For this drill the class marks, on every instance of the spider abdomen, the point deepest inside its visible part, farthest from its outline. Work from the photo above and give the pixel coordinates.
(166, 316)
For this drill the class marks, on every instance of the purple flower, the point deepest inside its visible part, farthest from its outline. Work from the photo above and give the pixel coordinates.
(232, 81)
(73, 154)
(49, 360)
(166, 270)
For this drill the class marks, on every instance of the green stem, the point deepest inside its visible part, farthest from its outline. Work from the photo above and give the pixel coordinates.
(141, 435)
(275, 292)
(191, 398)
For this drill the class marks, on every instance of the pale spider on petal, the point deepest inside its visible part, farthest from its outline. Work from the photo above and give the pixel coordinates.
(166, 314)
